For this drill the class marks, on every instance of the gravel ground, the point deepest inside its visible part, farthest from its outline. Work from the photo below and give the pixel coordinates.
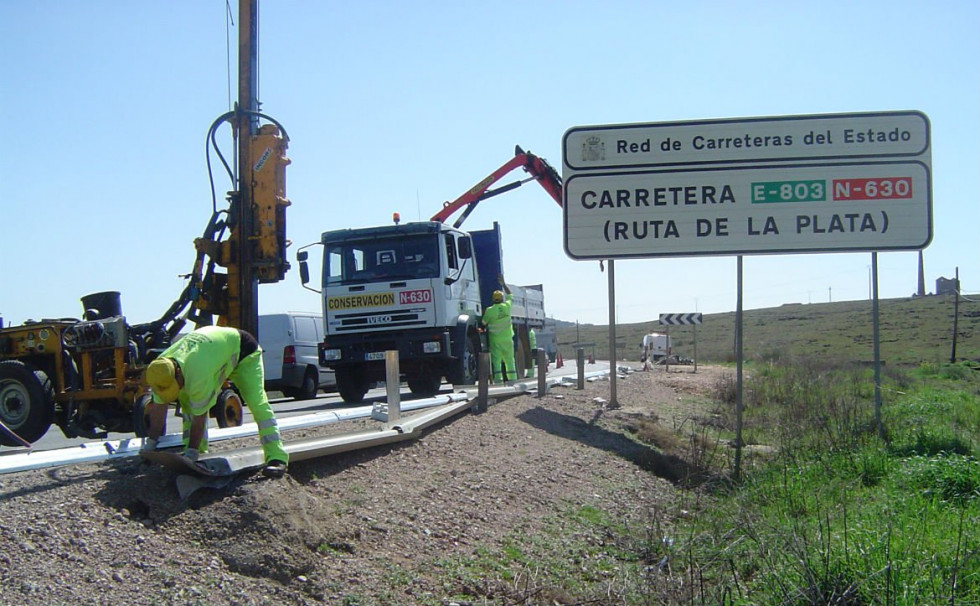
(370, 527)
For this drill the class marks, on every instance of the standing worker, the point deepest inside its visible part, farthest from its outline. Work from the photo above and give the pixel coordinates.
(192, 372)
(532, 343)
(501, 333)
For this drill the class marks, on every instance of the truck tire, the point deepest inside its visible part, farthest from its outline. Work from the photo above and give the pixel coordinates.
(228, 409)
(424, 385)
(307, 390)
(351, 384)
(26, 402)
(467, 368)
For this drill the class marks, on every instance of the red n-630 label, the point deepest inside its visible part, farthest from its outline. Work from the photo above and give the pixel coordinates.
(414, 296)
(889, 188)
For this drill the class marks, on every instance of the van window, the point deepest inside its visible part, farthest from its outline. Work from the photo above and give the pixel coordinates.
(306, 330)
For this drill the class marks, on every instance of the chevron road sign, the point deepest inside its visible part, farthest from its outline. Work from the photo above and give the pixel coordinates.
(680, 319)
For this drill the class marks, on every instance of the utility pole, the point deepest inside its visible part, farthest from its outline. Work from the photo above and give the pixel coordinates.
(956, 315)
(922, 277)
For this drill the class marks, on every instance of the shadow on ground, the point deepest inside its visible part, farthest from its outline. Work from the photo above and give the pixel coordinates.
(669, 467)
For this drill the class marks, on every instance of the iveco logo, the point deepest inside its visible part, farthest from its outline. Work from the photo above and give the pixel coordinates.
(379, 319)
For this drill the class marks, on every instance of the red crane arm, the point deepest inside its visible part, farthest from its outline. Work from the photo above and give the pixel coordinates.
(537, 167)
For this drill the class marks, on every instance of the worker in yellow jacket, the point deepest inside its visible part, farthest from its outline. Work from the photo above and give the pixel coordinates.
(500, 331)
(192, 372)
(532, 343)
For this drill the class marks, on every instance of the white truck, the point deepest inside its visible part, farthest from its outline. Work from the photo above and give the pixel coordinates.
(420, 289)
(655, 346)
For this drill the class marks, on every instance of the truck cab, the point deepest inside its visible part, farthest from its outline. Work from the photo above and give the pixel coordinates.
(411, 288)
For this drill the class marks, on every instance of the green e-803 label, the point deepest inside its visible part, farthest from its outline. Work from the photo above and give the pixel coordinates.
(789, 191)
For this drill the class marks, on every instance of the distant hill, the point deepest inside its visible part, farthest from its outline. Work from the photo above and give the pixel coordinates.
(911, 330)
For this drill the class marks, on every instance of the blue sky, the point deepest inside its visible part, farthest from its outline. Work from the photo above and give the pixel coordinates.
(400, 106)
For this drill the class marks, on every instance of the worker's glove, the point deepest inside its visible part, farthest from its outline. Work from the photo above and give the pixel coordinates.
(149, 445)
(192, 454)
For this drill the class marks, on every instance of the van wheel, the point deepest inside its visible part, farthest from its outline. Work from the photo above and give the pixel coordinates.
(26, 402)
(307, 391)
(228, 411)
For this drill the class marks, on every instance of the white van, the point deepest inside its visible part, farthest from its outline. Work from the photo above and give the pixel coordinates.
(289, 354)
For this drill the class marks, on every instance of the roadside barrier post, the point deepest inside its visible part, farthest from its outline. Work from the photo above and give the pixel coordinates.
(483, 382)
(393, 386)
(542, 369)
(580, 365)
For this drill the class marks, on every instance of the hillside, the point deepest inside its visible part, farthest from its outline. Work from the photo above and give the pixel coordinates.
(912, 330)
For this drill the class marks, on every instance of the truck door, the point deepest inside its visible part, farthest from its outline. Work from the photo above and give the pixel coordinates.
(464, 288)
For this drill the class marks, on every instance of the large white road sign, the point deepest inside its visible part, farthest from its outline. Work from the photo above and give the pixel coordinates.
(865, 185)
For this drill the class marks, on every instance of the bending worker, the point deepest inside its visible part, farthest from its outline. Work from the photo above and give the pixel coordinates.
(500, 330)
(192, 372)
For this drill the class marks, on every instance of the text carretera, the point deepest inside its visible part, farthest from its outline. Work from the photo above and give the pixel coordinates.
(688, 195)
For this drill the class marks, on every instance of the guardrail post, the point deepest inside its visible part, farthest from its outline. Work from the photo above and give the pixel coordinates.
(580, 367)
(542, 363)
(483, 382)
(393, 386)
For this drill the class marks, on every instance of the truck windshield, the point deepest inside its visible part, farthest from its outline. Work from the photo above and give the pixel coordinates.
(378, 260)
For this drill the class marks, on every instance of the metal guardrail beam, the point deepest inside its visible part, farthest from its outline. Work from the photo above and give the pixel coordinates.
(408, 427)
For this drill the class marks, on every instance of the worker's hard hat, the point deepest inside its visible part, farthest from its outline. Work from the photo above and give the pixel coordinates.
(498, 296)
(161, 376)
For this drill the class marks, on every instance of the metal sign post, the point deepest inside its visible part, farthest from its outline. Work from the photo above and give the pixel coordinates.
(613, 402)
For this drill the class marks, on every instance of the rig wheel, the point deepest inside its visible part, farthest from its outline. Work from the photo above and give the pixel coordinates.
(26, 402)
(228, 410)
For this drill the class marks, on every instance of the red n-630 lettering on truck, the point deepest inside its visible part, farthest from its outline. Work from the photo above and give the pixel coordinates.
(414, 296)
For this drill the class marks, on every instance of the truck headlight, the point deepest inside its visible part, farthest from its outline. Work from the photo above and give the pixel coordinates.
(331, 355)
(431, 347)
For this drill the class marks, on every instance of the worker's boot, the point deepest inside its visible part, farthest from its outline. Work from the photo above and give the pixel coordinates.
(274, 469)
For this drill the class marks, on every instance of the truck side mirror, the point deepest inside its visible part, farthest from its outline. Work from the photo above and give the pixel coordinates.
(304, 268)
(465, 248)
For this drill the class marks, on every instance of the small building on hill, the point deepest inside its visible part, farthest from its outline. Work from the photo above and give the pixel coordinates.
(947, 286)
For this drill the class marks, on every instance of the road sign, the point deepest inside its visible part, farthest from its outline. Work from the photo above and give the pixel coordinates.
(856, 182)
(680, 319)
(741, 140)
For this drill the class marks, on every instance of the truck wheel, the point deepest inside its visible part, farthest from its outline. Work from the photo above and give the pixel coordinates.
(228, 410)
(424, 385)
(351, 385)
(26, 402)
(307, 391)
(468, 366)
(141, 417)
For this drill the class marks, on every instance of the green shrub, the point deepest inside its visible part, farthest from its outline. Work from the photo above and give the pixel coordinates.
(948, 478)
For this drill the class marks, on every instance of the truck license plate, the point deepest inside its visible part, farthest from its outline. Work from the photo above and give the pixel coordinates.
(375, 355)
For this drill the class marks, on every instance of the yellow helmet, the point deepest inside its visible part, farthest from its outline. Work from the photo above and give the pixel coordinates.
(161, 376)
(498, 296)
